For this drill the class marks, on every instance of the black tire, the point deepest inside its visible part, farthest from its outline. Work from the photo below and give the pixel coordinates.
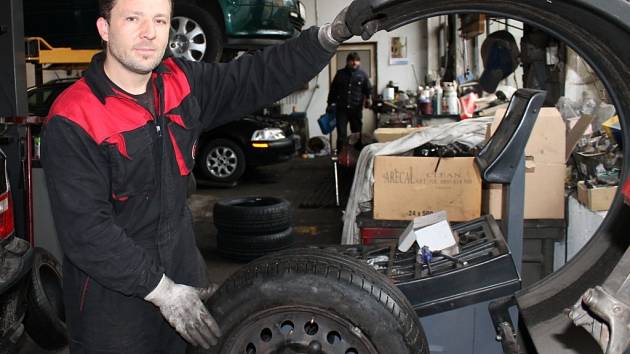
(249, 247)
(186, 18)
(222, 161)
(324, 299)
(12, 310)
(252, 215)
(45, 318)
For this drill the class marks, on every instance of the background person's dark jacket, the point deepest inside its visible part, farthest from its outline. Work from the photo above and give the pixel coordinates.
(349, 88)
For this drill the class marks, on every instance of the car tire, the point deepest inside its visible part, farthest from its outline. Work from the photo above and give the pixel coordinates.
(208, 41)
(250, 247)
(222, 161)
(310, 300)
(252, 215)
(12, 309)
(45, 318)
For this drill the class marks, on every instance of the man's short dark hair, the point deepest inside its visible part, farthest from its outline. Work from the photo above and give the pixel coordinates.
(105, 8)
(353, 56)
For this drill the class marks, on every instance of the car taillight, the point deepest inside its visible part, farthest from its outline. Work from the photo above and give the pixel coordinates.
(7, 225)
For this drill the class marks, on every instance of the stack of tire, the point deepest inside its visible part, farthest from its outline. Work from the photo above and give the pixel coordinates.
(45, 317)
(250, 227)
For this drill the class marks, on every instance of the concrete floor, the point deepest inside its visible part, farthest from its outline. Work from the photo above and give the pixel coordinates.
(303, 182)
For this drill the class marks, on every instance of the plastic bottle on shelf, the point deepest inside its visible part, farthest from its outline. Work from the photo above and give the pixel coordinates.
(437, 99)
(425, 104)
(451, 103)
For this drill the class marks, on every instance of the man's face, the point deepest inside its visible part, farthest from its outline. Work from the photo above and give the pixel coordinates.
(137, 33)
(354, 63)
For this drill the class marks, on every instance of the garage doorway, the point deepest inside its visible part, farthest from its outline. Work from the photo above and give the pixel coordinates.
(367, 53)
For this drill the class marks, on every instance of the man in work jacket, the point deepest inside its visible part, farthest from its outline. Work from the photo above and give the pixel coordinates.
(349, 92)
(118, 147)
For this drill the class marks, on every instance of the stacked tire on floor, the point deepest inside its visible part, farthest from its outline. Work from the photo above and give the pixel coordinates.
(45, 317)
(250, 227)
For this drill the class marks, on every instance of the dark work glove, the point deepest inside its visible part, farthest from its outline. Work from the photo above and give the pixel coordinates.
(331, 108)
(349, 22)
(182, 307)
(361, 19)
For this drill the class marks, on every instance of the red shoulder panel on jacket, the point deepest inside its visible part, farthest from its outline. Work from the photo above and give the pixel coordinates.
(101, 121)
(176, 85)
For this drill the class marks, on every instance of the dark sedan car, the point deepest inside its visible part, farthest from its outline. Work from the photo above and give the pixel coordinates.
(224, 152)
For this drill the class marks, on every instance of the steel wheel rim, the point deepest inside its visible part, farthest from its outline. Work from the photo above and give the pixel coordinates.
(298, 329)
(187, 40)
(222, 162)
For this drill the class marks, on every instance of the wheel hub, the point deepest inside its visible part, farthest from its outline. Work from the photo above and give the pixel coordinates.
(222, 162)
(179, 44)
(188, 39)
(298, 330)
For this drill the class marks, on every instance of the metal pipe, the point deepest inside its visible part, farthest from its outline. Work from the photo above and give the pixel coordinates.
(28, 173)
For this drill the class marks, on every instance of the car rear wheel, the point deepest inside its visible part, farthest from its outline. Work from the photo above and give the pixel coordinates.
(222, 161)
(195, 35)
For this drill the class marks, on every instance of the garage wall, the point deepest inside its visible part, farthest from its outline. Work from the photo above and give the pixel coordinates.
(317, 92)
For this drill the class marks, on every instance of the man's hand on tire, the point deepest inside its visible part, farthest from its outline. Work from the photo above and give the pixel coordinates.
(182, 307)
(356, 19)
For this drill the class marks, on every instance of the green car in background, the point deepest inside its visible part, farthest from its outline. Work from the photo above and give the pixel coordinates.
(208, 30)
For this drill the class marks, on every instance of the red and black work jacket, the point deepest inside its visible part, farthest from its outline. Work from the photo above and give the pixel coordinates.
(117, 174)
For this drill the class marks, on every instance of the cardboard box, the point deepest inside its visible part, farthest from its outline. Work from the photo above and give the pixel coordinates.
(545, 167)
(383, 135)
(544, 193)
(406, 187)
(547, 143)
(598, 198)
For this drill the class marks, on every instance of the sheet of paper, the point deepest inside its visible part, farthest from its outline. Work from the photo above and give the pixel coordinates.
(408, 237)
(437, 236)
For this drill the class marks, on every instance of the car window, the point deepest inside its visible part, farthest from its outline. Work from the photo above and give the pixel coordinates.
(41, 98)
(38, 101)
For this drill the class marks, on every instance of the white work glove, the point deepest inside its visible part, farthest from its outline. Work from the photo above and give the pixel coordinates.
(182, 306)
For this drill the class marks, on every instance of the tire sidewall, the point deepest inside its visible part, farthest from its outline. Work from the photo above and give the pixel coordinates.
(250, 247)
(41, 312)
(252, 215)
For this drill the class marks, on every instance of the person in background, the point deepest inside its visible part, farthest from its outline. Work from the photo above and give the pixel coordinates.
(118, 147)
(349, 92)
